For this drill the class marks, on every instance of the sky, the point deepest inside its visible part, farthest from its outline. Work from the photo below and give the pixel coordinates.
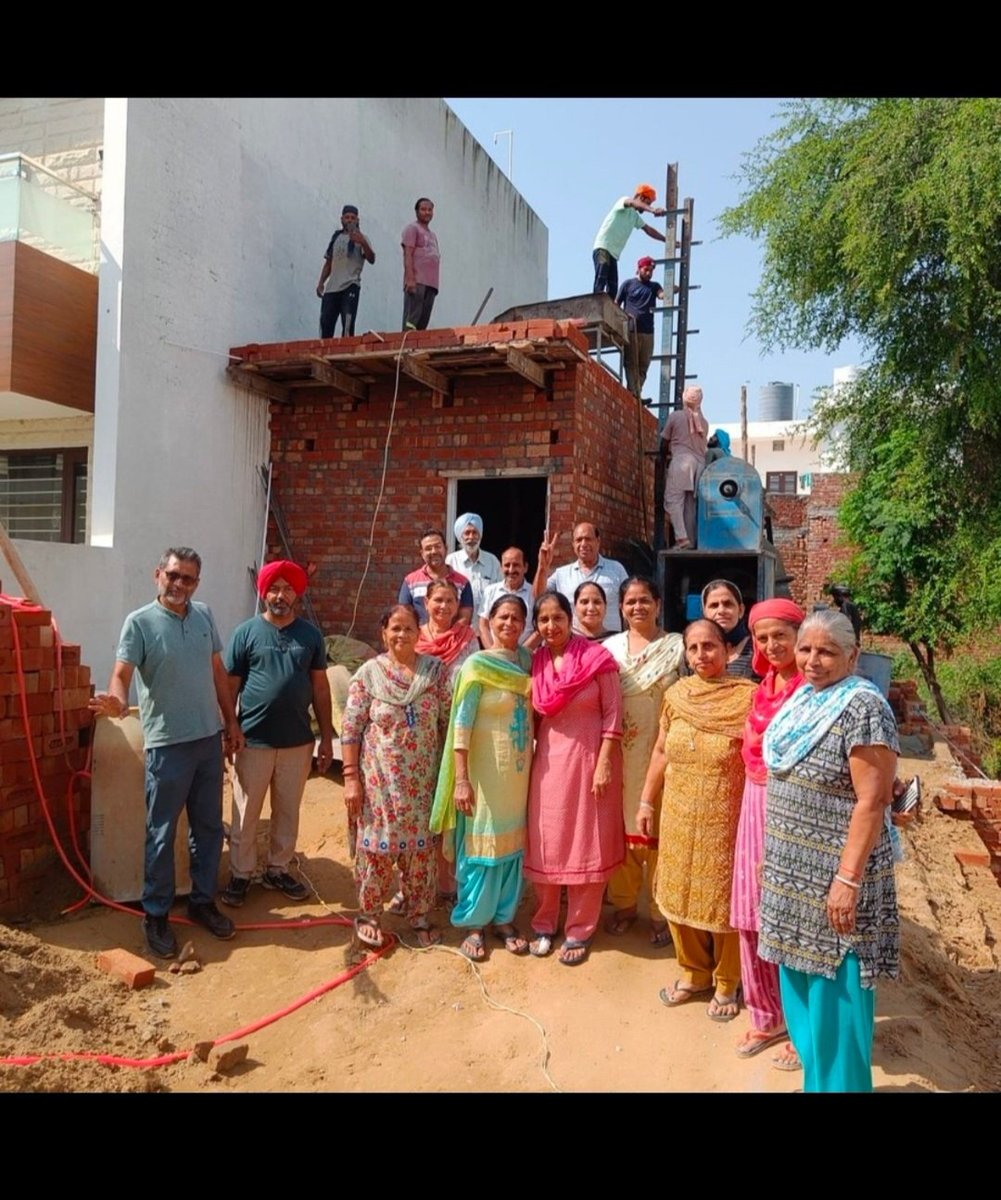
(573, 158)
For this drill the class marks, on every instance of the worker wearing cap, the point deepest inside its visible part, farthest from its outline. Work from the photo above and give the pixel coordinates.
(638, 298)
(339, 285)
(276, 663)
(615, 231)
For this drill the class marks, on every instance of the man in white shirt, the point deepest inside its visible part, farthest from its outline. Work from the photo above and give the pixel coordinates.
(480, 567)
(513, 565)
(587, 567)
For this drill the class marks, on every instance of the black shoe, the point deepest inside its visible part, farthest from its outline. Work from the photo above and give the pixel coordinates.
(208, 915)
(282, 881)
(235, 892)
(159, 936)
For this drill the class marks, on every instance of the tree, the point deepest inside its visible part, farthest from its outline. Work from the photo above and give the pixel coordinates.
(882, 218)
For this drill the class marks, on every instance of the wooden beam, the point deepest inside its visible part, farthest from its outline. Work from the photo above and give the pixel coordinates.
(522, 365)
(247, 377)
(424, 374)
(321, 370)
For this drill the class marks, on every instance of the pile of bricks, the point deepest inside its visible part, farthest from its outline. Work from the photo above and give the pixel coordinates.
(26, 849)
(979, 801)
(912, 718)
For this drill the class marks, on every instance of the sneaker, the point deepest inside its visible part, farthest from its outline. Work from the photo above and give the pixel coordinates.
(208, 915)
(235, 891)
(159, 936)
(282, 881)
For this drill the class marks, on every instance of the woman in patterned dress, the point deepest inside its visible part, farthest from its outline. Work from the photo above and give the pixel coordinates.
(828, 903)
(482, 797)
(696, 763)
(649, 660)
(394, 728)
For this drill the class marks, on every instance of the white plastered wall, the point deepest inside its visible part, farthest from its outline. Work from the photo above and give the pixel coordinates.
(215, 217)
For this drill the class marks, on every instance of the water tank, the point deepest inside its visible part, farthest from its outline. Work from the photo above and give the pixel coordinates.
(776, 402)
(731, 506)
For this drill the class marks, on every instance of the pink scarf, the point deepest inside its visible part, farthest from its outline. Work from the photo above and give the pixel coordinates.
(582, 661)
(448, 645)
(764, 706)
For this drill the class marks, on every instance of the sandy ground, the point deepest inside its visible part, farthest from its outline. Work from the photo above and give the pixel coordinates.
(430, 1021)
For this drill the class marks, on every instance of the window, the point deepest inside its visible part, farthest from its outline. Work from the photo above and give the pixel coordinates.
(43, 494)
(778, 445)
(782, 483)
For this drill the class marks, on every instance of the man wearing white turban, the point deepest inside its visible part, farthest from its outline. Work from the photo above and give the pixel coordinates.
(480, 567)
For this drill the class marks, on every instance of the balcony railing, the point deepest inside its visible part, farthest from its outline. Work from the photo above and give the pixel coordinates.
(41, 209)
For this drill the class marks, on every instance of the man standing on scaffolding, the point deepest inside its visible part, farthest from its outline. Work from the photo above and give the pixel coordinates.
(614, 233)
(638, 298)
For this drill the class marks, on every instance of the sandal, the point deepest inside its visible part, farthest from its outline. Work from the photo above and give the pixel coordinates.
(579, 949)
(540, 945)
(472, 946)
(427, 935)
(724, 1008)
(756, 1040)
(676, 994)
(514, 943)
(621, 921)
(787, 1059)
(363, 932)
(660, 934)
(398, 905)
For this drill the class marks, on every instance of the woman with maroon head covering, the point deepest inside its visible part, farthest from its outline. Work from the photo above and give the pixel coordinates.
(774, 625)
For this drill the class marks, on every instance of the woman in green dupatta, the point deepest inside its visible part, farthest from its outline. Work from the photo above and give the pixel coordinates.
(482, 794)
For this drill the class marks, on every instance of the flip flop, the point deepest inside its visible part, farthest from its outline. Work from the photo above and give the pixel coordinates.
(398, 905)
(718, 1006)
(757, 1040)
(620, 922)
(541, 945)
(363, 927)
(574, 944)
(787, 1059)
(660, 935)
(677, 994)
(514, 943)
(427, 935)
(472, 947)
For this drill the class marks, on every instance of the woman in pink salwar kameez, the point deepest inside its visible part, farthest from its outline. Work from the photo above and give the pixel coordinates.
(576, 836)
(773, 624)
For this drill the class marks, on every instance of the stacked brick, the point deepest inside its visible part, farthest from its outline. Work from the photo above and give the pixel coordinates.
(912, 719)
(584, 430)
(26, 849)
(978, 801)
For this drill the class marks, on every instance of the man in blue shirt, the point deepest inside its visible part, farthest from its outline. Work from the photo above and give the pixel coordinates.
(638, 298)
(277, 665)
(173, 647)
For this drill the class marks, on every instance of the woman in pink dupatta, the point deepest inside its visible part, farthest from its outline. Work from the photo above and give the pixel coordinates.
(576, 836)
(773, 624)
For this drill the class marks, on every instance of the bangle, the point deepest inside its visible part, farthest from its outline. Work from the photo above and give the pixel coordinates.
(843, 870)
(848, 882)
(347, 772)
(644, 804)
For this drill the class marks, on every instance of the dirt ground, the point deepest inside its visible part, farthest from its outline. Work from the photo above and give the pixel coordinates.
(428, 1020)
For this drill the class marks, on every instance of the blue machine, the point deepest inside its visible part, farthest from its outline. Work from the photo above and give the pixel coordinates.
(731, 507)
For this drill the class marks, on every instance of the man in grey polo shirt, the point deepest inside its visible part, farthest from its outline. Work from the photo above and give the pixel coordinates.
(174, 649)
(587, 567)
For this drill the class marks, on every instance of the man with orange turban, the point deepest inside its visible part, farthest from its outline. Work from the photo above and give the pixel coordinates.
(276, 664)
(614, 233)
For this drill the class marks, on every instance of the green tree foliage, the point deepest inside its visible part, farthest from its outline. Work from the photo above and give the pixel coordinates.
(881, 218)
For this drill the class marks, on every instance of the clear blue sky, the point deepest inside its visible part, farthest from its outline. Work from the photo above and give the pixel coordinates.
(574, 158)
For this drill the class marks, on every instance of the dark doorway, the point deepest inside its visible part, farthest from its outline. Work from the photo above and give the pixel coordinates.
(513, 511)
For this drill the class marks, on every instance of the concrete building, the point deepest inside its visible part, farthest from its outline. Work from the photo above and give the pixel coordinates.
(209, 218)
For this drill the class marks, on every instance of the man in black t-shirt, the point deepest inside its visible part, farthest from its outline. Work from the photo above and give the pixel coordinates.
(638, 298)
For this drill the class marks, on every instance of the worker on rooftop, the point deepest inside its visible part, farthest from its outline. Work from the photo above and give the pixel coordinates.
(614, 233)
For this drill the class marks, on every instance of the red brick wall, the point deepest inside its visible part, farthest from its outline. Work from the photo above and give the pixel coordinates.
(26, 849)
(789, 534)
(583, 430)
(806, 531)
